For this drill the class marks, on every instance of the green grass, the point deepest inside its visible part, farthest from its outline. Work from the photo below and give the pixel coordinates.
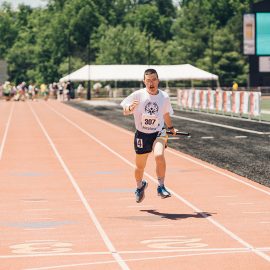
(266, 104)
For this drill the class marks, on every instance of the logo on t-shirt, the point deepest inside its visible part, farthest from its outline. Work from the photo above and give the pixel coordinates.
(151, 108)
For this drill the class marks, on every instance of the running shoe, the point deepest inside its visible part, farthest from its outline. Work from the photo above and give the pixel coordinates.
(139, 193)
(163, 192)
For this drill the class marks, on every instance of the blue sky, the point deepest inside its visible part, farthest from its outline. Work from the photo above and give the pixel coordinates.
(32, 3)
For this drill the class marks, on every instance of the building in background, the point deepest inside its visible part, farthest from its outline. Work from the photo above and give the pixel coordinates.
(256, 43)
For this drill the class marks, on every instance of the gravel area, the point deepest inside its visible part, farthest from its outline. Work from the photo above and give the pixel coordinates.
(240, 146)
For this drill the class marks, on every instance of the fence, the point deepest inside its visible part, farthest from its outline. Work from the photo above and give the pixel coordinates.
(235, 103)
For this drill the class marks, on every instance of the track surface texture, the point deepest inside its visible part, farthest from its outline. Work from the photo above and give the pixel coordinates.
(244, 150)
(67, 195)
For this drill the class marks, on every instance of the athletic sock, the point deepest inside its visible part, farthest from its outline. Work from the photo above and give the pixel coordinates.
(161, 181)
(139, 184)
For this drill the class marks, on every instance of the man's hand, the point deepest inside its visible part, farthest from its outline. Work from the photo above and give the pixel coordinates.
(174, 130)
(129, 109)
(133, 105)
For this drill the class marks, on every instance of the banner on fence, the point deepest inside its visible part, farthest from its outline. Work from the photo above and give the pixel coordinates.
(255, 105)
(237, 102)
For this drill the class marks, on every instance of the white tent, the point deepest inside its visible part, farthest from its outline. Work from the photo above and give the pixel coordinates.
(135, 73)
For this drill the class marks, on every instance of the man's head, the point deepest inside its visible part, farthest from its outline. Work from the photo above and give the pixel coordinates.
(151, 81)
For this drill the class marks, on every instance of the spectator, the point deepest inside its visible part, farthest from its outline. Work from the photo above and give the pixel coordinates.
(80, 90)
(7, 90)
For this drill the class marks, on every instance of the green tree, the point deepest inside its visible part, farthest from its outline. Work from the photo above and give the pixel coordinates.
(210, 35)
(40, 43)
(126, 45)
(148, 19)
(191, 31)
(8, 29)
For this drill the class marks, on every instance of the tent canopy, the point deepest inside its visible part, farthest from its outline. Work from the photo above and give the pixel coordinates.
(135, 73)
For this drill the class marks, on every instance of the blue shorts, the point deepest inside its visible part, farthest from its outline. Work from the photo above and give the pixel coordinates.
(143, 142)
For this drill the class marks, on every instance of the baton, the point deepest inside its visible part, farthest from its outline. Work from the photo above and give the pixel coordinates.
(180, 133)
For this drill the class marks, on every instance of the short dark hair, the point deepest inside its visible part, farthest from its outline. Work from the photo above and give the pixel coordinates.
(150, 71)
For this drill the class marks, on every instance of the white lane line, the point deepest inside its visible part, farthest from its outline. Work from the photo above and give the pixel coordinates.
(219, 125)
(139, 259)
(207, 137)
(196, 209)
(6, 132)
(170, 150)
(217, 171)
(264, 248)
(139, 252)
(240, 137)
(89, 210)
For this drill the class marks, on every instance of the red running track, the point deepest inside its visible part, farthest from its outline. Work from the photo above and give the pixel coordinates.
(67, 201)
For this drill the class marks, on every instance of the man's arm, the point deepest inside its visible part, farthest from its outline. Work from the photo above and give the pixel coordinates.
(168, 122)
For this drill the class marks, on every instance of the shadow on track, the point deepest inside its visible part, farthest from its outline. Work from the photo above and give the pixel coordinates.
(178, 216)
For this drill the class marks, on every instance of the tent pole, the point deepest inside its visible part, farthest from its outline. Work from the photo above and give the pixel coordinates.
(88, 90)
(88, 85)
(89, 82)
(218, 84)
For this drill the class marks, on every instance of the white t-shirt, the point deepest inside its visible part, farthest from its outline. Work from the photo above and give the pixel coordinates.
(149, 114)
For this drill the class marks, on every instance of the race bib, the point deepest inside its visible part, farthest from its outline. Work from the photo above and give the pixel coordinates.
(149, 122)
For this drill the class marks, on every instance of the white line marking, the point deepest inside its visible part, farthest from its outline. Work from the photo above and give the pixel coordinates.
(240, 137)
(196, 209)
(184, 250)
(170, 150)
(217, 171)
(89, 210)
(139, 259)
(6, 132)
(219, 125)
(207, 137)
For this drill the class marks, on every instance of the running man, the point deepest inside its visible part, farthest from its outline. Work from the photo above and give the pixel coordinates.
(151, 108)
